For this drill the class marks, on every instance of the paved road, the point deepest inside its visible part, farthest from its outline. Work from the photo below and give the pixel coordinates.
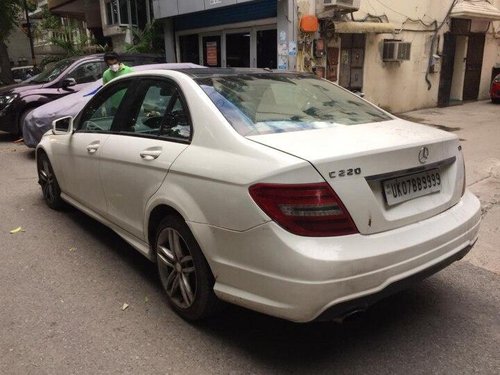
(63, 282)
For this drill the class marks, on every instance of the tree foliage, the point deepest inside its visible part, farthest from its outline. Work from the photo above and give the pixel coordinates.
(9, 16)
(149, 40)
(10, 11)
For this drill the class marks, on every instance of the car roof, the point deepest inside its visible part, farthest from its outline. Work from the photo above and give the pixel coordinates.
(217, 72)
(21, 67)
(121, 55)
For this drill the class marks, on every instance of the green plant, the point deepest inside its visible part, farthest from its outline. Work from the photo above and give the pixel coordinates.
(148, 40)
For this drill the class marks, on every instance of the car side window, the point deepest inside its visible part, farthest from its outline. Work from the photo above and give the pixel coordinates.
(160, 112)
(99, 114)
(181, 127)
(87, 72)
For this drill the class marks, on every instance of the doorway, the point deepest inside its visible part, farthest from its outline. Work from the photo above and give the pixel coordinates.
(462, 62)
(473, 66)
(352, 57)
(238, 49)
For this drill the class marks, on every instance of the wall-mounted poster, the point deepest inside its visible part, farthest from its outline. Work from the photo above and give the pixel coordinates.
(211, 54)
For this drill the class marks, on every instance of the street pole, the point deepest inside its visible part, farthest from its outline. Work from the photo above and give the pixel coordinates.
(30, 37)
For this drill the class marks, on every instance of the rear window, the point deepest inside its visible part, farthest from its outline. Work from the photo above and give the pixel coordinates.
(273, 103)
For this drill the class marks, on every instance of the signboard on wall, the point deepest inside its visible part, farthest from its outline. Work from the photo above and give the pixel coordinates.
(211, 53)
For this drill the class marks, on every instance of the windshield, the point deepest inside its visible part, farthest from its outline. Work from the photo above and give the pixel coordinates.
(273, 103)
(52, 71)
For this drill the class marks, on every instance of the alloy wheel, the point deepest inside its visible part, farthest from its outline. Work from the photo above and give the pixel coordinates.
(48, 182)
(177, 269)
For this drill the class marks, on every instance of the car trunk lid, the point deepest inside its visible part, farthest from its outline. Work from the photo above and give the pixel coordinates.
(379, 169)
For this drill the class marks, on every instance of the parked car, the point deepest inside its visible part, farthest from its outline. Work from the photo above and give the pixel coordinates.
(280, 192)
(495, 89)
(22, 73)
(65, 77)
(39, 121)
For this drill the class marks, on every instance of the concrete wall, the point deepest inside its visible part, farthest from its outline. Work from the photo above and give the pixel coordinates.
(120, 36)
(402, 86)
(18, 46)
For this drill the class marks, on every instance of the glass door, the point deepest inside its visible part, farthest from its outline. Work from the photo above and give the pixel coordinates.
(238, 49)
(267, 48)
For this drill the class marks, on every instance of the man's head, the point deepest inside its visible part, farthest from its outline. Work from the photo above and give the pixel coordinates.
(112, 60)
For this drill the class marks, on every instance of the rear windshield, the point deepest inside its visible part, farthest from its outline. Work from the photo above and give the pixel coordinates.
(273, 103)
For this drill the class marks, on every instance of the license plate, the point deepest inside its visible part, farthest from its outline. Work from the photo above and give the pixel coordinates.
(404, 188)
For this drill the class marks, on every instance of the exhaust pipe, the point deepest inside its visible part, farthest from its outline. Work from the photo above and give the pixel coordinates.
(349, 314)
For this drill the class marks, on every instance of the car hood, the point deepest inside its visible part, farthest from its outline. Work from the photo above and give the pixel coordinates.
(19, 88)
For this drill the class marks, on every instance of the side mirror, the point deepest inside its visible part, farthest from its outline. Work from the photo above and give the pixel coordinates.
(68, 82)
(63, 125)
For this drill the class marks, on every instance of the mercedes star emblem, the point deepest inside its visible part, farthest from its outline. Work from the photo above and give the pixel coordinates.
(423, 155)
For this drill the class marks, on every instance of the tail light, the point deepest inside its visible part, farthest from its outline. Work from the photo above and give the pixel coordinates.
(307, 209)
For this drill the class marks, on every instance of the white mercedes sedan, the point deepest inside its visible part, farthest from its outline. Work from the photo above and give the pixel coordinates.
(277, 191)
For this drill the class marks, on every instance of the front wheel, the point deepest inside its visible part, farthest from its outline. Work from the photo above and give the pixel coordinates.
(184, 272)
(48, 181)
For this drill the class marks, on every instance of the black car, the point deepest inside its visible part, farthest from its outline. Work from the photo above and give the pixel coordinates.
(60, 79)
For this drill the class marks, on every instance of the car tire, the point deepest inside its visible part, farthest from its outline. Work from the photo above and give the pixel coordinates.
(184, 272)
(48, 181)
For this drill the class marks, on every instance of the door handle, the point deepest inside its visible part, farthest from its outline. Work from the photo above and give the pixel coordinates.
(150, 154)
(92, 148)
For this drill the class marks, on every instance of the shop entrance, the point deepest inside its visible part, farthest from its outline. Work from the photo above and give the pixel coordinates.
(254, 47)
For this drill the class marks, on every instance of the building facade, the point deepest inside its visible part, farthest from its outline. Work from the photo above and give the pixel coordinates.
(401, 55)
(18, 46)
(229, 33)
(110, 21)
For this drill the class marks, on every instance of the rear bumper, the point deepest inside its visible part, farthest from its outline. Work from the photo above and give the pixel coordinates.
(495, 92)
(397, 286)
(270, 270)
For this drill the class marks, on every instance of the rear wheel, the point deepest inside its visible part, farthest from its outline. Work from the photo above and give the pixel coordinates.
(184, 271)
(48, 181)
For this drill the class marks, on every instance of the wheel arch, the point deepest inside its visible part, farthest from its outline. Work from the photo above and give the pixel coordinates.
(160, 211)
(155, 217)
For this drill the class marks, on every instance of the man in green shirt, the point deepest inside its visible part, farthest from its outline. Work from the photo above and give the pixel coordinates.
(115, 67)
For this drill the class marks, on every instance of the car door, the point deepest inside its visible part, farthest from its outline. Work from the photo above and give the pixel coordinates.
(155, 130)
(83, 151)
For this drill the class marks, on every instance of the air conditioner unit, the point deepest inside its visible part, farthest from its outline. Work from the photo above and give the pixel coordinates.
(396, 50)
(343, 5)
